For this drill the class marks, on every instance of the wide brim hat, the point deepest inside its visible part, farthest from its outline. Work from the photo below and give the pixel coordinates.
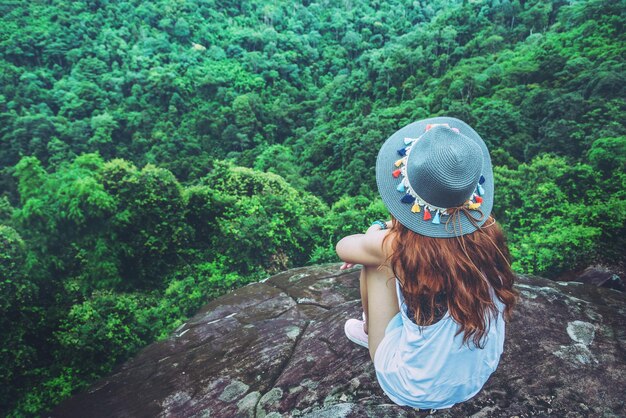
(433, 170)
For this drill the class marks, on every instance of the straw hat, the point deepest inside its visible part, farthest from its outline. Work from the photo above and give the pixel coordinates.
(435, 177)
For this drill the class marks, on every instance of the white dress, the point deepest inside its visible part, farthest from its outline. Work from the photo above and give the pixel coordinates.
(429, 367)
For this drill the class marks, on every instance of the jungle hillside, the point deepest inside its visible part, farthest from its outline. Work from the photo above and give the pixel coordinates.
(157, 154)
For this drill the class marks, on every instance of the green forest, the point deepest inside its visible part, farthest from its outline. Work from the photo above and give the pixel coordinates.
(156, 154)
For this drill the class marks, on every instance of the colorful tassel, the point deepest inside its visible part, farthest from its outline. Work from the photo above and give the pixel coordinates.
(426, 214)
(416, 208)
(478, 199)
(473, 206)
(408, 140)
(396, 173)
(432, 125)
(482, 179)
(398, 163)
(480, 190)
(436, 218)
(407, 198)
(400, 187)
(455, 130)
(402, 152)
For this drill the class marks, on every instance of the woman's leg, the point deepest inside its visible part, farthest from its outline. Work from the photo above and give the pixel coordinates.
(363, 289)
(382, 302)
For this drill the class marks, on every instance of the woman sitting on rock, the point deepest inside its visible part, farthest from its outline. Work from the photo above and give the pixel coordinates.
(436, 283)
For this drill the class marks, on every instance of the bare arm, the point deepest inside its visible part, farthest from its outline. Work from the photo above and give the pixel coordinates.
(366, 249)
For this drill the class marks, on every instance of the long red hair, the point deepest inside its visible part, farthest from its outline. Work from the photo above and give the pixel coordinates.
(456, 272)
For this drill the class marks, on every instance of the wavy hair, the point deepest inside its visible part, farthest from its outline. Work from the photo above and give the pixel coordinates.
(454, 273)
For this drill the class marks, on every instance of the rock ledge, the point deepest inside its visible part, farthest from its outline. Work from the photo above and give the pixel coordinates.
(277, 348)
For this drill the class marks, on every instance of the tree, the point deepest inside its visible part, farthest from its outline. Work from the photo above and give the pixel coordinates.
(148, 230)
(181, 28)
(265, 224)
(17, 316)
(102, 140)
(608, 155)
(279, 159)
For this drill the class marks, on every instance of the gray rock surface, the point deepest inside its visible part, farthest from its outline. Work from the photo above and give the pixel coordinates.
(602, 276)
(277, 348)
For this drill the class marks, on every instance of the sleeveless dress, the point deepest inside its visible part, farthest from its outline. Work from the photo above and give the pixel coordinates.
(428, 367)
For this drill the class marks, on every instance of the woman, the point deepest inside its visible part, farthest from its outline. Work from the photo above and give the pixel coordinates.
(436, 283)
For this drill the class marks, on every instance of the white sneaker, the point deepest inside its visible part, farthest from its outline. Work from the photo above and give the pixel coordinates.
(355, 333)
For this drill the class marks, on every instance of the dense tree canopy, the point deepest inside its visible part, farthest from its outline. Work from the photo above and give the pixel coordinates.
(155, 154)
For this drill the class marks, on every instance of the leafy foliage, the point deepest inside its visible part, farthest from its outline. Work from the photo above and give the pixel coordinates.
(154, 155)
(17, 313)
